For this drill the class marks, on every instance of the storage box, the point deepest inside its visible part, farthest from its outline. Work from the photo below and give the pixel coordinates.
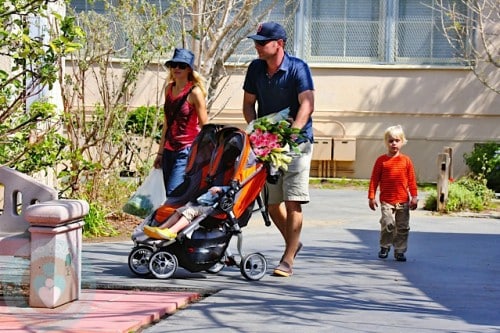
(322, 149)
(344, 149)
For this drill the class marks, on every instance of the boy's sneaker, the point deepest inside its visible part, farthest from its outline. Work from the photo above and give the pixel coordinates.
(399, 256)
(384, 252)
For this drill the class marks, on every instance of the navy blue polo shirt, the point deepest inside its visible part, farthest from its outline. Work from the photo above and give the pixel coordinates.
(282, 89)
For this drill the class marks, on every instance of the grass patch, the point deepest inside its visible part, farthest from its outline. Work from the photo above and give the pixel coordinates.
(337, 183)
(357, 184)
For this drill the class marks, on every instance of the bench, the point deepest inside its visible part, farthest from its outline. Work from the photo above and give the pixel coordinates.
(45, 230)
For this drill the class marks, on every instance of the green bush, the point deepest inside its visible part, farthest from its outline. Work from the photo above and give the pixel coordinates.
(112, 194)
(96, 224)
(145, 121)
(484, 162)
(466, 194)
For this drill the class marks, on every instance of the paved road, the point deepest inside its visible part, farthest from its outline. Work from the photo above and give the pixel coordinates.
(449, 284)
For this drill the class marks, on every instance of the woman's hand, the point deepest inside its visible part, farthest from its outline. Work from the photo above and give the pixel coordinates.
(157, 162)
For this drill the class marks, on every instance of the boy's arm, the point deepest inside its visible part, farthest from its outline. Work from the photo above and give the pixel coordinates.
(372, 188)
(412, 186)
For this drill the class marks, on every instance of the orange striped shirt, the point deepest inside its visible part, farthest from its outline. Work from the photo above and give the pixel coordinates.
(395, 176)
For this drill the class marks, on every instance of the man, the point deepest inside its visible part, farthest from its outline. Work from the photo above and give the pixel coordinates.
(277, 81)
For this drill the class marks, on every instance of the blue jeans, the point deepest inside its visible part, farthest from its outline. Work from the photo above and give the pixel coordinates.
(173, 165)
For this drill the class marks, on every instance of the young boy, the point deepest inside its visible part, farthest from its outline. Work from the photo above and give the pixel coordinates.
(394, 174)
(185, 214)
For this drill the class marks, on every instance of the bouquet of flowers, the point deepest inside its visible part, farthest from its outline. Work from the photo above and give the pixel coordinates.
(273, 139)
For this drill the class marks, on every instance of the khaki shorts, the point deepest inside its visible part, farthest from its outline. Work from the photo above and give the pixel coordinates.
(293, 185)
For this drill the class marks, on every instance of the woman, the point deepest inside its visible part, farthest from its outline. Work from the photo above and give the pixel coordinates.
(185, 112)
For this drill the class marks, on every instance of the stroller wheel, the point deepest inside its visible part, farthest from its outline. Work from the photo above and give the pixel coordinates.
(253, 266)
(163, 264)
(138, 260)
(216, 268)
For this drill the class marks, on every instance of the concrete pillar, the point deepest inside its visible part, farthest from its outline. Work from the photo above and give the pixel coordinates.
(56, 251)
(55, 265)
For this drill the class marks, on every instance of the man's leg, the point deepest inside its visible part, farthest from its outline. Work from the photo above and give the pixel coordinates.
(288, 220)
(293, 229)
(278, 215)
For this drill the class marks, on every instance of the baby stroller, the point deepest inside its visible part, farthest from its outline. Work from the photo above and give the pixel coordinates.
(203, 244)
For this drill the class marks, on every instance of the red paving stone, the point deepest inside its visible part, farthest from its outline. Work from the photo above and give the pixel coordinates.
(96, 311)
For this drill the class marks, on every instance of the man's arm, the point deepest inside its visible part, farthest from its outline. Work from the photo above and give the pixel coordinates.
(306, 101)
(249, 107)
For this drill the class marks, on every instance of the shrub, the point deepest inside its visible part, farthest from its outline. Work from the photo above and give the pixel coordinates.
(484, 162)
(112, 194)
(466, 194)
(144, 120)
(96, 224)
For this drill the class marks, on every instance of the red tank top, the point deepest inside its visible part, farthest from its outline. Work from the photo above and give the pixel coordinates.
(182, 120)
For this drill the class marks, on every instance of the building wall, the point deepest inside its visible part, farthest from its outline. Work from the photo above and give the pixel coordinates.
(438, 107)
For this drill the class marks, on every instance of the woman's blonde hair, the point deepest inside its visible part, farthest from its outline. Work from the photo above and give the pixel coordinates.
(395, 132)
(194, 77)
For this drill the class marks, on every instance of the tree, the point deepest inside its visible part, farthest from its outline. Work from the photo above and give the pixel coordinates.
(134, 30)
(139, 32)
(29, 63)
(213, 29)
(471, 27)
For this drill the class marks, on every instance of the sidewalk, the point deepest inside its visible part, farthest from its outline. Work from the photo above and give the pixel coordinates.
(95, 311)
(449, 284)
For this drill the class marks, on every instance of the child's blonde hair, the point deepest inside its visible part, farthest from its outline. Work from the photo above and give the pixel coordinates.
(395, 132)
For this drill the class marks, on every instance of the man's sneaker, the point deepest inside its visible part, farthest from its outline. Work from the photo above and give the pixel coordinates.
(399, 256)
(384, 252)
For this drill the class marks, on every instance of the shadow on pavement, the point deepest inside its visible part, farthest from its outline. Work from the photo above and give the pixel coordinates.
(450, 269)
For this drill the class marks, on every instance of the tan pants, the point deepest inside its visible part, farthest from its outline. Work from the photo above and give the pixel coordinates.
(395, 226)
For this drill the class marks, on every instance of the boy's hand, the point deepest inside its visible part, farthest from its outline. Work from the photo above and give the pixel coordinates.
(373, 204)
(215, 190)
(413, 203)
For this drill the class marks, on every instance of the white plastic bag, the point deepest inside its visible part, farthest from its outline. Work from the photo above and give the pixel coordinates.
(148, 197)
(273, 118)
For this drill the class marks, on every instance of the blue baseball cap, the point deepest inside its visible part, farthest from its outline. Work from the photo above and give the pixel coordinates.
(269, 31)
(182, 55)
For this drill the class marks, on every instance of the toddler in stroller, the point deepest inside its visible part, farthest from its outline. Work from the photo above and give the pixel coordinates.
(184, 215)
(237, 177)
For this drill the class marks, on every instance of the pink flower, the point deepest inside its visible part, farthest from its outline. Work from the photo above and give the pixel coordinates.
(268, 137)
(262, 151)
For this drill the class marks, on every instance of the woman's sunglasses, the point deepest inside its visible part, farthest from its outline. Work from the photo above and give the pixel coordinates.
(263, 42)
(180, 65)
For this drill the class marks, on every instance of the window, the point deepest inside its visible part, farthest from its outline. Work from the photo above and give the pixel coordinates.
(122, 31)
(419, 34)
(364, 32)
(346, 31)
(384, 32)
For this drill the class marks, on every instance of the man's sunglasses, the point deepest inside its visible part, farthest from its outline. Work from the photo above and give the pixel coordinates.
(181, 65)
(263, 42)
